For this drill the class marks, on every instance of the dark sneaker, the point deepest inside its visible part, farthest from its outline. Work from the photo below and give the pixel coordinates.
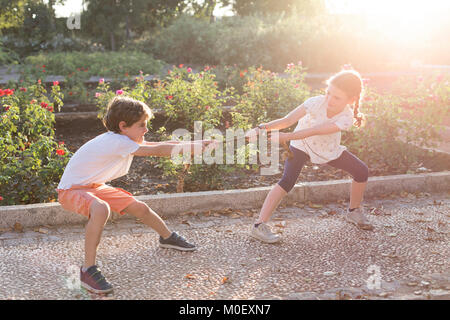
(93, 280)
(176, 241)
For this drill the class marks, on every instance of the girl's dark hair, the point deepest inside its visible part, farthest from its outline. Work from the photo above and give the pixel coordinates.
(351, 83)
(124, 109)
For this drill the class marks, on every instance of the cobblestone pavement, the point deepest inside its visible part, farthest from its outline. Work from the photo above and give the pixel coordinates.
(320, 257)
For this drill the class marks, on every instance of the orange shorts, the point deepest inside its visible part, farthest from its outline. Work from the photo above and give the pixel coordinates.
(79, 198)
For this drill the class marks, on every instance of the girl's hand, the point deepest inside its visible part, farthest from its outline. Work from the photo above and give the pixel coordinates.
(209, 144)
(282, 138)
(253, 133)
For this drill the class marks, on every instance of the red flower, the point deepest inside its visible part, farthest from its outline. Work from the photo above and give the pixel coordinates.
(181, 66)
(50, 108)
(7, 108)
(44, 105)
(39, 81)
(207, 107)
(126, 74)
(8, 92)
(169, 97)
(70, 93)
(78, 69)
(23, 89)
(241, 74)
(61, 143)
(1, 198)
(43, 66)
(55, 83)
(60, 152)
(2, 92)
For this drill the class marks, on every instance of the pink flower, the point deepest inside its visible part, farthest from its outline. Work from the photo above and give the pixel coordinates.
(23, 89)
(98, 94)
(365, 81)
(290, 66)
(101, 81)
(300, 63)
(189, 70)
(207, 107)
(55, 83)
(440, 78)
(119, 92)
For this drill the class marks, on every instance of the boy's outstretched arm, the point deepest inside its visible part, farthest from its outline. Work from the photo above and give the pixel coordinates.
(165, 149)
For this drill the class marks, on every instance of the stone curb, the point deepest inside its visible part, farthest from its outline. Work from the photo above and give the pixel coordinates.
(167, 205)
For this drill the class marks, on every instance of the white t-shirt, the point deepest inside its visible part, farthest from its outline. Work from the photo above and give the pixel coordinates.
(102, 159)
(322, 148)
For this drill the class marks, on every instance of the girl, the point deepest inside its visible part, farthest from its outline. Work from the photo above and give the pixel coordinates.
(317, 138)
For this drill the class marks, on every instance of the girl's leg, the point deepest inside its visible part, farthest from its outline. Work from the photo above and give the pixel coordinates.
(292, 169)
(360, 173)
(99, 213)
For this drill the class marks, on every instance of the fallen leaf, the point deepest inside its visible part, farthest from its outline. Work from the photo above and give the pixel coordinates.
(332, 212)
(281, 224)
(234, 216)
(186, 222)
(224, 280)
(189, 276)
(18, 227)
(42, 230)
(315, 206)
(228, 230)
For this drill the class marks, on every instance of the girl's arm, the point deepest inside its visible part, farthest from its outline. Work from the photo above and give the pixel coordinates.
(321, 129)
(287, 121)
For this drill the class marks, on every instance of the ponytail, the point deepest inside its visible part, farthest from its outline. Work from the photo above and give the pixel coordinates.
(360, 118)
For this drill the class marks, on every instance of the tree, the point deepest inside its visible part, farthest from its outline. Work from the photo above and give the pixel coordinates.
(267, 7)
(112, 22)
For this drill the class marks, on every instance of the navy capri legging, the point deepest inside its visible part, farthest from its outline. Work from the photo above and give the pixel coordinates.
(347, 162)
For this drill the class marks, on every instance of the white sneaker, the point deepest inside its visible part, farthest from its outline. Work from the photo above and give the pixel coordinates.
(264, 233)
(358, 218)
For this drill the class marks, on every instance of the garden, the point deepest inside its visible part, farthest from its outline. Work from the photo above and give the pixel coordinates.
(236, 72)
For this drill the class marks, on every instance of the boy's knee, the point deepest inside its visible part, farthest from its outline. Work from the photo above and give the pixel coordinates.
(100, 209)
(141, 209)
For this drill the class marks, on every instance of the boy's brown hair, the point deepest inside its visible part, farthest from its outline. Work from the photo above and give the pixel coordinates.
(124, 109)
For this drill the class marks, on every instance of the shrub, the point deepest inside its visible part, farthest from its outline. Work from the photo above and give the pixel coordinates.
(31, 161)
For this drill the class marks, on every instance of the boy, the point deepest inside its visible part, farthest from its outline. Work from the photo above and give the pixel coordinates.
(82, 188)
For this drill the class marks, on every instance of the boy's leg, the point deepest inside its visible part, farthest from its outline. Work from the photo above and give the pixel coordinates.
(99, 213)
(167, 238)
(149, 217)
